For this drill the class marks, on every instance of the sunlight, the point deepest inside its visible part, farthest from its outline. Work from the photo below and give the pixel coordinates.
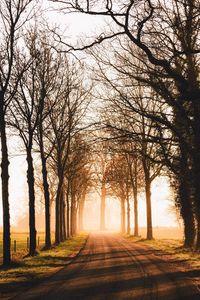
(99, 149)
(160, 203)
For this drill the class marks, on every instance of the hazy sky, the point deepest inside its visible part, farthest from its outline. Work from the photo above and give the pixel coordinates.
(160, 209)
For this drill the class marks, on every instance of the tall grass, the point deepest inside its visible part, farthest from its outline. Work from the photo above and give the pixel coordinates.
(20, 242)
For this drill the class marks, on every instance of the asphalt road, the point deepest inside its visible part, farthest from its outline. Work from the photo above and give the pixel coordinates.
(112, 268)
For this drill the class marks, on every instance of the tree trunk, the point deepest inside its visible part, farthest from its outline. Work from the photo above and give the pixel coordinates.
(198, 231)
(58, 213)
(194, 96)
(189, 229)
(187, 215)
(72, 215)
(122, 202)
(148, 209)
(64, 220)
(31, 190)
(128, 215)
(186, 209)
(197, 191)
(103, 207)
(47, 207)
(68, 211)
(61, 217)
(81, 210)
(196, 159)
(136, 230)
(46, 192)
(75, 221)
(5, 185)
(134, 183)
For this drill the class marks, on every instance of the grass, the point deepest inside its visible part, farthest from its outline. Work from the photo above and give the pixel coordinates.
(172, 247)
(30, 270)
(163, 233)
(21, 244)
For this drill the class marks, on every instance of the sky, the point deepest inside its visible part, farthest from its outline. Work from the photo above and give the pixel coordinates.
(76, 26)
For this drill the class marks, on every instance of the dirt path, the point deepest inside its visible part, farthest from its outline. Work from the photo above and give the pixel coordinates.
(112, 268)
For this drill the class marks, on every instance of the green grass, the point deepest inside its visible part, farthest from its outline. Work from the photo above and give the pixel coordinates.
(30, 270)
(172, 247)
(21, 241)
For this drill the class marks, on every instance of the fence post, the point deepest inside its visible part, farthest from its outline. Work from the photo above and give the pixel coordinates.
(15, 246)
(27, 243)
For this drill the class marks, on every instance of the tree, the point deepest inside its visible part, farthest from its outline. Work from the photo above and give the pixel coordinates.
(13, 15)
(86, 185)
(78, 174)
(136, 178)
(101, 170)
(166, 33)
(170, 137)
(119, 182)
(25, 112)
(66, 119)
(125, 119)
(49, 81)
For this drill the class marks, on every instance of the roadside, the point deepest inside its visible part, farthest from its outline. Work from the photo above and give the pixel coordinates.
(111, 267)
(20, 244)
(188, 261)
(29, 271)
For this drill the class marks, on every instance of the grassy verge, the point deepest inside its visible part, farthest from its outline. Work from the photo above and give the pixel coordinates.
(19, 244)
(173, 247)
(30, 270)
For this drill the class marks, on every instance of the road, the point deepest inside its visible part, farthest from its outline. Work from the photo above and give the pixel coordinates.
(113, 268)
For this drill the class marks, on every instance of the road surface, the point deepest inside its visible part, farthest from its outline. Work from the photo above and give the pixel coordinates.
(113, 268)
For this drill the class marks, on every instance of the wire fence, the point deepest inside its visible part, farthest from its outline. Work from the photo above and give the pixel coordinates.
(20, 243)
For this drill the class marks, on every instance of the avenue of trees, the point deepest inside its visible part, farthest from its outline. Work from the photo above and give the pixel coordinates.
(155, 46)
(44, 101)
(144, 72)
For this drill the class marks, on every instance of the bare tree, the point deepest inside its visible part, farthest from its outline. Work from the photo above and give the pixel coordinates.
(119, 182)
(166, 33)
(133, 159)
(101, 170)
(13, 15)
(86, 186)
(25, 112)
(138, 130)
(66, 118)
(49, 81)
(78, 173)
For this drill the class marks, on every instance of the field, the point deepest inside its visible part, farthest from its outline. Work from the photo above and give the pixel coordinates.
(169, 240)
(19, 243)
(20, 247)
(163, 233)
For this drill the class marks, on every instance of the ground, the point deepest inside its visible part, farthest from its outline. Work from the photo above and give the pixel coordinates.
(31, 270)
(114, 267)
